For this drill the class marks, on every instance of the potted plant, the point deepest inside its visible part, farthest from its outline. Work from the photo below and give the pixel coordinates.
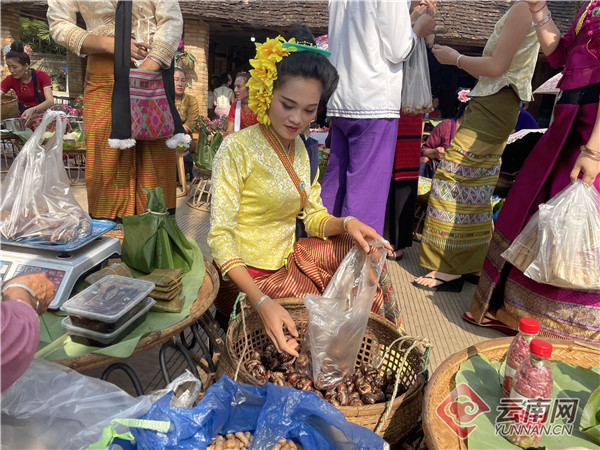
(185, 60)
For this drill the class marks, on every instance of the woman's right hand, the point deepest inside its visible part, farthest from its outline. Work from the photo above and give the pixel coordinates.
(39, 283)
(273, 317)
(435, 153)
(588, 167)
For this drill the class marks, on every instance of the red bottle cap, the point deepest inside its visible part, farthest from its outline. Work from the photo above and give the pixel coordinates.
(541, 349)
(529, 326)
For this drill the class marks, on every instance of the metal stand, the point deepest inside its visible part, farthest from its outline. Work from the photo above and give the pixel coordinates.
(137, 385)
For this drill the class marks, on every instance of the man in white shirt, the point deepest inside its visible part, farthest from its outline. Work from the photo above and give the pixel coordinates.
(369, 41)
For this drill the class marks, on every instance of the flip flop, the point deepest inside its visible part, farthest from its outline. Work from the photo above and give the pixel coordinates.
(455, 285)
(490, 323)
(470, 278)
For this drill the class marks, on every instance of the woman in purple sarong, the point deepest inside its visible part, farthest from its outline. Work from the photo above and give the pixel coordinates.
(570, 147)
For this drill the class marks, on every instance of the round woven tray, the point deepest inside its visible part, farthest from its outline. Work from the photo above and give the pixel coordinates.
(407, 407)
(438, 434)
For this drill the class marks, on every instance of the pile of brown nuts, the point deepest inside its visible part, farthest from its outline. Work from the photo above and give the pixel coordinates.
(239, 441)
(364, 386)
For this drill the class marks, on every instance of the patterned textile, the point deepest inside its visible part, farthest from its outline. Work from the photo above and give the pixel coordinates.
(408, 147)
(457, 229)
(504, 290)
(519, 73)
(150, 114)
(258, 191)
(115, 178)
(309, 269)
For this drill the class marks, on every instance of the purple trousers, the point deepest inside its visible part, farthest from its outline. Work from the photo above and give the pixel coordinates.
(361, 159)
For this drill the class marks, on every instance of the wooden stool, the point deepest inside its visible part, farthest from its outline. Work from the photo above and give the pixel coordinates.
(181, 176)
(201, 192)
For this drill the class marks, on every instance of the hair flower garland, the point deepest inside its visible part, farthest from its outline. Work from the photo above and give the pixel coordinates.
(262, 77)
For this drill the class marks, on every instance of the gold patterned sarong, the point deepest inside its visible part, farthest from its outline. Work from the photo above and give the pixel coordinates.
(457, 229)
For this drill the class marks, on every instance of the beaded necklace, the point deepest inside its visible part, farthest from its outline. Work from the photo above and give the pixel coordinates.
(594, 13)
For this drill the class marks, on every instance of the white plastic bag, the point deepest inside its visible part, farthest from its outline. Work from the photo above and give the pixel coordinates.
(337, 320)
(52, 406)
(560, 245)
(37, 203)
(416, 85)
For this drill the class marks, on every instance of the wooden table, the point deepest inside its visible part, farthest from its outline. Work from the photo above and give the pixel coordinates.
(206, 296)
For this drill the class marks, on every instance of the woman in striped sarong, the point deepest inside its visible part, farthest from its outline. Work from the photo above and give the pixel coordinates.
(115, 178)
(400, 209)
(262, 182)
(458, 226)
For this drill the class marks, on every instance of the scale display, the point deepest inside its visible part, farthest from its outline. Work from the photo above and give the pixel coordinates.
(63, 268)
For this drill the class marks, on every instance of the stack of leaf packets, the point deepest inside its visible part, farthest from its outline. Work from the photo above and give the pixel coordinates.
(114, 269)
(167, 292)
(153, 240)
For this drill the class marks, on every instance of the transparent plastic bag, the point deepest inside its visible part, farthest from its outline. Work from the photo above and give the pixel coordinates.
(37, 203)
(560, 245)
(416, 85)
(337, 320)
(52, 406)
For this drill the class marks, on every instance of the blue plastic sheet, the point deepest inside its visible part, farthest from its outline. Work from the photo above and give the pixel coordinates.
(270, 412)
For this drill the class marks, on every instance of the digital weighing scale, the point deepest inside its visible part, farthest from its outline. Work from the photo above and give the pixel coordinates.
(64, 264)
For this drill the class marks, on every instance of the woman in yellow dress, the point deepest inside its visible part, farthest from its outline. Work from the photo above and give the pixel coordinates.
(262, 182)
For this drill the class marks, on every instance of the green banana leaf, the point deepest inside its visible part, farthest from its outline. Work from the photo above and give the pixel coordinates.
(206, 149)
(484, 378)
(590, 419)
(153, 240)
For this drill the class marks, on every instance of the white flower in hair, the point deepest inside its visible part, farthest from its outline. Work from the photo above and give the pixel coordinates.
(6, 49)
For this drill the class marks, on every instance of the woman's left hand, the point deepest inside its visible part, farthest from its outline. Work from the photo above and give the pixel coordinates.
(445, 55)
(362, 232)
(588, 167)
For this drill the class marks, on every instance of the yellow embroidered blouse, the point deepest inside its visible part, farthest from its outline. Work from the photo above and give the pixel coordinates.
(187, 107)
(519, 73)
(255, 202)
(155, 22)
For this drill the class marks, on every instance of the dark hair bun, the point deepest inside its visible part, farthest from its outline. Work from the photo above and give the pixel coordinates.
(302, 33)
(17, 46)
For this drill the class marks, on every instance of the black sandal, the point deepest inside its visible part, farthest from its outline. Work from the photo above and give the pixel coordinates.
(455, 285)
(470, 278)
(397, 257)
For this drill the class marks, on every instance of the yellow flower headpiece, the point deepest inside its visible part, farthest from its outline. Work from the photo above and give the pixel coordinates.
(262, 77)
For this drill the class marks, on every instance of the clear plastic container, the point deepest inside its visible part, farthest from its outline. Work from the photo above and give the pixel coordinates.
(96, 339)
(107, 304)
(532, 383)
(519, 350)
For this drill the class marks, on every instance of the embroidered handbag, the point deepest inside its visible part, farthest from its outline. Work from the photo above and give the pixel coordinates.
(151, 116)
(143, 101)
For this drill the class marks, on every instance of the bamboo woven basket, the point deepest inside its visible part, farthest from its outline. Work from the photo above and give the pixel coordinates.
(406, 409)
(437, 433)
(10, 108)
